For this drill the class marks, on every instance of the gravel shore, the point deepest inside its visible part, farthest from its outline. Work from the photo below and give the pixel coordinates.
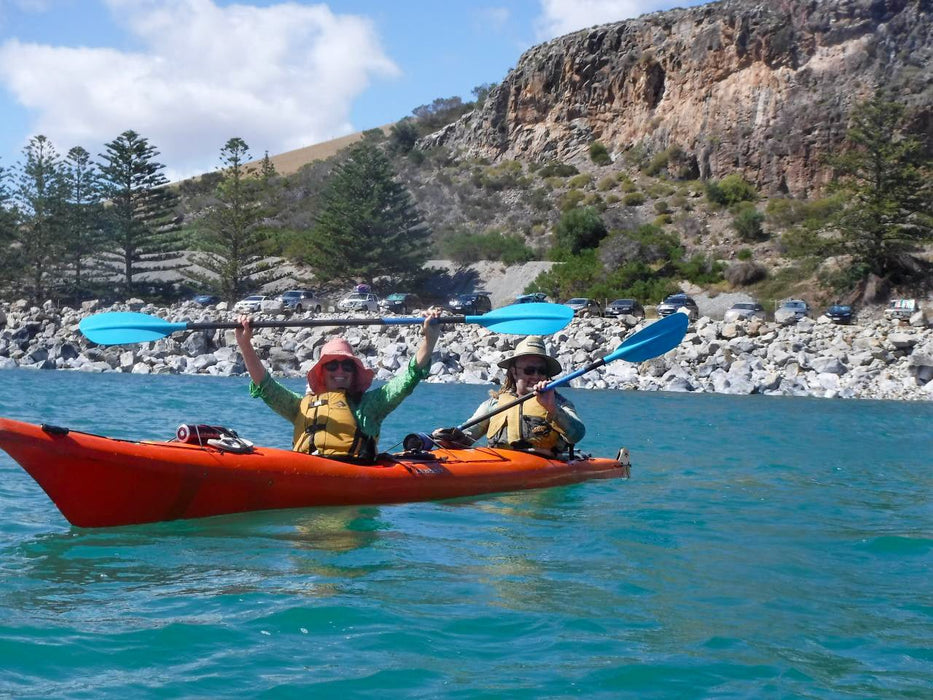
(875, 360)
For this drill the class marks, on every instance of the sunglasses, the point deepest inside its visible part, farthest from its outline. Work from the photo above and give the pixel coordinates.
(347, 365)
(531, 371)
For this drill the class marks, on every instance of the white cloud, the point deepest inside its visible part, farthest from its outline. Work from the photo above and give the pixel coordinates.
(279, 77)
(560, 17)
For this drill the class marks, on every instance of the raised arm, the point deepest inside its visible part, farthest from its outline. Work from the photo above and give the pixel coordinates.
(244, 339)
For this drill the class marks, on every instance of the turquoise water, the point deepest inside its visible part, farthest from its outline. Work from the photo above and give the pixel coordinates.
(764, 548)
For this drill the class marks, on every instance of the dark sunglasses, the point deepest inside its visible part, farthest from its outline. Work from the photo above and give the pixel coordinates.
(531, 371)
(348, 365)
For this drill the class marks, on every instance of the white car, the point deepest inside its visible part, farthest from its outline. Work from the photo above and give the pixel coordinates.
(250, 304)
(359, 301)
(745, 310)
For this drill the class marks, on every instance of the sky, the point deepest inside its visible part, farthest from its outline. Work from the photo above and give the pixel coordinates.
(190, 74)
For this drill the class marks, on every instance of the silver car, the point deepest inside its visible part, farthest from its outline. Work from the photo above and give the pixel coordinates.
(359, 301)
(676, 302)
(745, 310)
(250, 304)
(791, 311)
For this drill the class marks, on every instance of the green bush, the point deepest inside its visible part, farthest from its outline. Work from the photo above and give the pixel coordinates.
(571, 199)
(732, 189)
(464, 248)
(502, 176)
(747, 223)
(581, 180)
(744, 254)
(661, 207)
(633, 199)
(579, 229)
(784, 212)
(556, 169)
(606, 183)
(599, 155)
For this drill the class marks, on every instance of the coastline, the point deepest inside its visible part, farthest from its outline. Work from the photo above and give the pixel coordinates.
(877, 360)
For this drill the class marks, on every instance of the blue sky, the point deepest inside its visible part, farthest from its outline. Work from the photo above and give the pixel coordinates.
(190, 74)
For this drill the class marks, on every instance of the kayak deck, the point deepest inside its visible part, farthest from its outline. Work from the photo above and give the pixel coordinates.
(97, 481)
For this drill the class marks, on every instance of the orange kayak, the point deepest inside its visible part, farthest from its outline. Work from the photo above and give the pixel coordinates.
(98, 481)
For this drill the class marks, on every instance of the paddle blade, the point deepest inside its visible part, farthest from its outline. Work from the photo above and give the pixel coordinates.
(536, 318)
(123, 327)
(652, 341)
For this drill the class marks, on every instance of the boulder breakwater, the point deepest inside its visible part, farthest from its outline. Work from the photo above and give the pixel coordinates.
(874, 360)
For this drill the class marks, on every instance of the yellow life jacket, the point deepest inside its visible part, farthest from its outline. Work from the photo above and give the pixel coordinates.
(326, 426)
(522, 426)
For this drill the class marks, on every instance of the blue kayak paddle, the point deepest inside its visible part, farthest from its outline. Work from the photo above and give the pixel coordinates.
(651, 341)
(124, 327)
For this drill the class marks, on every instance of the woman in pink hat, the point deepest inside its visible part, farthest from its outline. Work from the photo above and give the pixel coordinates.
(340, 416)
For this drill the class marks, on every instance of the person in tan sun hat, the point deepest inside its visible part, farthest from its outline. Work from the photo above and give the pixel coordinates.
(340, 416)
(547, 423)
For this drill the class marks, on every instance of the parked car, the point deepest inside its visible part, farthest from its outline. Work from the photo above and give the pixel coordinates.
(583, 306)
(791, 311)
(359, 301)
(625, 307)
(534, 297)
(299, 300)
(471, 304)
(205, 299)
(250, 304)
(901, 309)
(675, 302)
(401, 302)
(744, 310)
(840, 314)
(272, 305)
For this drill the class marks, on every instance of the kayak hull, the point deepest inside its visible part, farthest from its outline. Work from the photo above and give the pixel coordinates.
(97, 481)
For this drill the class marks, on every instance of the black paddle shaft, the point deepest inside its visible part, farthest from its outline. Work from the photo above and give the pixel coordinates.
(309, 322)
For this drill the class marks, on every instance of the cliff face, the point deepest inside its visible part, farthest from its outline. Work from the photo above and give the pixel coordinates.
(763, 90)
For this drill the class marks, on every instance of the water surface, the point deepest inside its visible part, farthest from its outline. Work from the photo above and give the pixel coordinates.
(764, 547)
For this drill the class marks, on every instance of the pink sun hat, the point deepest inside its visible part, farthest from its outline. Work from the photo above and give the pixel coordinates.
(339, 349)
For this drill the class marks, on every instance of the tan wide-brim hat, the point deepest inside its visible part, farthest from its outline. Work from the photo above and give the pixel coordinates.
(533, 345)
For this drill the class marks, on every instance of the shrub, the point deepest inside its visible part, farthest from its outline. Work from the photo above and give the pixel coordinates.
(607, 183)
(556, 169)
(661, 207)
(633, 199)
(599, 155)
(732, 189)
(571, 199)
(465, 247)
(579, 229)
(741, 274)
(744, 254)
(747, 223)
(581, 180)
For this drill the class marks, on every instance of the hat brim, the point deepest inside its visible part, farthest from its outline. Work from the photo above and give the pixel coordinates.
(553, 366)
(362, 381)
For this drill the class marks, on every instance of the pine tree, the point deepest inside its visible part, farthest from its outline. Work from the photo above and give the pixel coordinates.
(39, 195)
(8, 224)
(84, 237)
(367, 225)
(888, 179)
(233, 250)
(141, 226)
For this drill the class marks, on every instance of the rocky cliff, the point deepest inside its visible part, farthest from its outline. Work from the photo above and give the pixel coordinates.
(762, 89)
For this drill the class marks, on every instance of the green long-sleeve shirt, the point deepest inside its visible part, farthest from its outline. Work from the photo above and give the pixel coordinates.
(371, 410)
